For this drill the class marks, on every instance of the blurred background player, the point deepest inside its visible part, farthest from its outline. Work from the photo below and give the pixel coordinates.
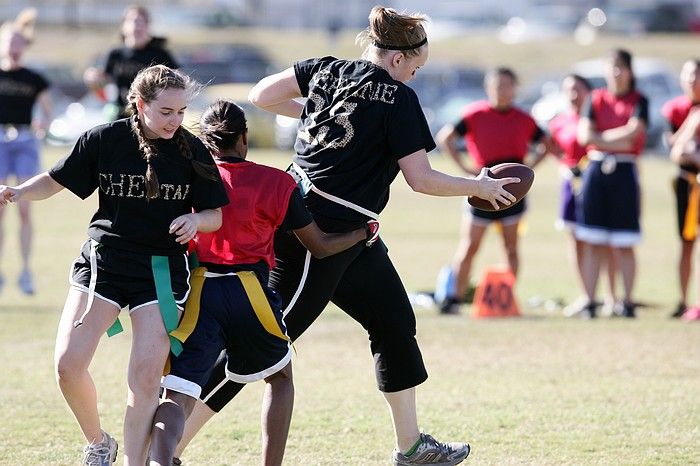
(139, 49)
(571, 155)
(612, 127)
(20, 90)
(495, 131)
(682, 138)
(237, 259)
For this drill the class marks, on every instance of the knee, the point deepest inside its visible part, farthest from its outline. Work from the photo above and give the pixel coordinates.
(67, 368)
(144, 377)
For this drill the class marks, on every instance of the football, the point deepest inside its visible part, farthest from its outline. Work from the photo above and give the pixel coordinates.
(519, 190)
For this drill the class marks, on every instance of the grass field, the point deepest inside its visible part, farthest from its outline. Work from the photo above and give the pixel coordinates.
(537, 390)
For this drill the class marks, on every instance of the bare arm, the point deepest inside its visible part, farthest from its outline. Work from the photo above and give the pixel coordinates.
(682, 150)
(276, 94)
(422, 178)
(619, 139)
(40, 187)
(185, 227)
(446, 140)
(46, 105)
(544, 146)
(321, 244)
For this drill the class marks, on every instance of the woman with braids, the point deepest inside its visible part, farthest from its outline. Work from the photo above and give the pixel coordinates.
(359, 128)
(139, 49)
(158, 187)
(239, 313)
(20, 89)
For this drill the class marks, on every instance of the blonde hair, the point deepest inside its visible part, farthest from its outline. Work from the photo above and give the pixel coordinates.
(147, 86)
(23, 25)
(391, 30)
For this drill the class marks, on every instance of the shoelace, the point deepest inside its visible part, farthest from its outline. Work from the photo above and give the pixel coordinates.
(94, 454)
(443, 447)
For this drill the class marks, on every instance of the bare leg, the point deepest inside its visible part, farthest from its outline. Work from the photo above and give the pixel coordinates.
(592, 259)
(75, 348)
(510, 242)
(149, 351)
(168, 424)
(25, 234)
(276, 416)
(628, 268)
(470, 241)
(200, 415)
(685, 268)
(612, 267)
(403, 413)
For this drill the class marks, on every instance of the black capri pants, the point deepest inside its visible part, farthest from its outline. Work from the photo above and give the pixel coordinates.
(364, 284)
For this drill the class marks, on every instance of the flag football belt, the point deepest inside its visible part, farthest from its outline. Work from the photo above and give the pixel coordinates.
(305, 185)
(690, 222)
(608, 161)
(160, 267)
(254, 292)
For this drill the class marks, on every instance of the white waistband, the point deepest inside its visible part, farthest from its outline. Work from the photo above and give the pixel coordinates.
(597, 156)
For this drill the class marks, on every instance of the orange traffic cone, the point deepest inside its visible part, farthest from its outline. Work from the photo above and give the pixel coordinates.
(494, 296)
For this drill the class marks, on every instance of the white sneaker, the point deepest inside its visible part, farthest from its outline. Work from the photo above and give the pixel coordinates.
(101, 454)
(26, 282)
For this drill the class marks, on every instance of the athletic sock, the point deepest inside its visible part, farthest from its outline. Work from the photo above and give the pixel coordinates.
(413, 449)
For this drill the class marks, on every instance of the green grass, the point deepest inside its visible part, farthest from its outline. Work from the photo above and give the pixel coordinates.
(540, 390)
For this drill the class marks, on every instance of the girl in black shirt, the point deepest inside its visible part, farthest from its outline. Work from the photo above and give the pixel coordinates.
(20, 89)
(157, 187)
(139, 50)
(360, 127)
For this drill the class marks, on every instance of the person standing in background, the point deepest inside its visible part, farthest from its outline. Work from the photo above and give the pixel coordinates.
(495, 131)
(20, 89)
(139, 49)
(681, 139)
(571, 155)
(613, 129)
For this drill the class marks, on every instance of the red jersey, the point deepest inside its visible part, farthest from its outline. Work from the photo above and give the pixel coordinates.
(259, 198)
(564, 128)
(608, 111)
(493, 136)
(676, 110)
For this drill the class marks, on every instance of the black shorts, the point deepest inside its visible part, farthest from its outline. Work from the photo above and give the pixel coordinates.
(363, 283)
(237, 315)
(124, 278)
(507, 216)
(681, 188)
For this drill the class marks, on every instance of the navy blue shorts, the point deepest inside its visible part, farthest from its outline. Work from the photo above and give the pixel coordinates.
(608, 207)
(507, 216)
(125, 278)
(247, 326)
(567, 203)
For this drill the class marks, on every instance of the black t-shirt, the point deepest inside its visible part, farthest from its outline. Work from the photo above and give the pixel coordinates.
(356, 124)
(19, 90)
(124, 63)
(108, 158)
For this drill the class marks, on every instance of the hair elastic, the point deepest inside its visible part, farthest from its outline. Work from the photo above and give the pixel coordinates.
(401, 47)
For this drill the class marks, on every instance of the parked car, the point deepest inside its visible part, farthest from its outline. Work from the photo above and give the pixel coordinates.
(654, 79)
(225, 63)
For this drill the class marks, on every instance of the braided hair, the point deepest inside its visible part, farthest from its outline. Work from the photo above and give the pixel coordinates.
(147, 86)
(221, 125)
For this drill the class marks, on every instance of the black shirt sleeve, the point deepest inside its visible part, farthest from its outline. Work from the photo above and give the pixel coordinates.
(297, 215)
(77, 171)
(461, 127)
(537, 134)
(407, 128)
(587, 109)
(641, 110)
(206, 193)
(305, 70)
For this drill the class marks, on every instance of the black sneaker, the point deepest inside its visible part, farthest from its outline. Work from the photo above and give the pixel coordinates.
(628, 310)
(449, 306)
(680, 310)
